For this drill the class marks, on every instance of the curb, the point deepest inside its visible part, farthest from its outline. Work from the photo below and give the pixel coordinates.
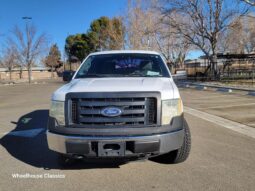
(201, 87)
(198, 86)
(225, 90)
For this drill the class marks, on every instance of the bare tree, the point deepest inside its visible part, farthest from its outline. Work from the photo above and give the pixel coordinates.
(146, 30)
(116, 32)
(239, 37)
(9, 60)
(171, 44)
(249, 34)
(232, 39)
(201, 22)
(137, 26)
(250, 2)
(29, 46)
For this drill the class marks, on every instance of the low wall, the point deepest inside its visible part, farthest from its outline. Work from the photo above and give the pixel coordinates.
(35, 75)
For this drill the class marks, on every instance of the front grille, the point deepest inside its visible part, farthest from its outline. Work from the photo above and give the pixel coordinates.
(136, 111)
(74, 111)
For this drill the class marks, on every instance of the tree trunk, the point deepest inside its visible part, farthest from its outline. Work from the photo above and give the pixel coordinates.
(51, 71)
(10, 73)
(20, 72)
(181, 60)
(29, 73)
(214, 67)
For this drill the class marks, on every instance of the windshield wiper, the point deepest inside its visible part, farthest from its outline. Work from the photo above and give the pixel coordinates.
(92, 76)
(116, 75)
(142, 75)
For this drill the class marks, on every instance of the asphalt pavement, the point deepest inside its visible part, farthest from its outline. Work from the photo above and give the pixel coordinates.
(220, 159)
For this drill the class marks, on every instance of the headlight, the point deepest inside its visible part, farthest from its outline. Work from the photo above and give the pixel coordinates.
(170, 109)
(57, 111)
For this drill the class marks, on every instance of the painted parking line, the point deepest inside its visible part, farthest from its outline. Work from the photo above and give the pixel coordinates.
(235, 93)
(25, 133)
(205, 97)
(217, 102)
(237, 127)
(210, 95)
(192, 92)
(227, 106)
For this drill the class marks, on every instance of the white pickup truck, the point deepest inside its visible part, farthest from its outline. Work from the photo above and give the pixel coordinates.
(119, 104)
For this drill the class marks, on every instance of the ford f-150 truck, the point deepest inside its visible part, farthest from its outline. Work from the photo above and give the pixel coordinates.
(119, 104)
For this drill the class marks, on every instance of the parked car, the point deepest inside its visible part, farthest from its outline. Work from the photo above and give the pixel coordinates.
(119, 104)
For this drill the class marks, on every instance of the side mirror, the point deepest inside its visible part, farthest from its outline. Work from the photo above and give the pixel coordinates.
(68, 75)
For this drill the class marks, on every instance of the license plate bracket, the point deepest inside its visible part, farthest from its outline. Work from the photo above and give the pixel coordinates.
(111, 149)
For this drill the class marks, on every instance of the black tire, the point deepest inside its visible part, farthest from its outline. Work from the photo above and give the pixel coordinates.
(181, 154)
(65, 160)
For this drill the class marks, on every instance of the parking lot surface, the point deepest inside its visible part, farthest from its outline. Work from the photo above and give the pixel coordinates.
(221, 159)
(235, 106)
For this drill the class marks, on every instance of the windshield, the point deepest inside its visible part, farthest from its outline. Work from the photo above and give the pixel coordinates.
(123, 65)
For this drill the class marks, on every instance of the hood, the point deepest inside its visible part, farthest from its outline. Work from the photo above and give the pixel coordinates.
(165, 86)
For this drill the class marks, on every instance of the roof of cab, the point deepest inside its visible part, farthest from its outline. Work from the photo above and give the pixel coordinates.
(125, 51)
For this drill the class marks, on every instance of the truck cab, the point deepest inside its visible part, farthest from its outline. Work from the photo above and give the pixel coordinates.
(119, 104)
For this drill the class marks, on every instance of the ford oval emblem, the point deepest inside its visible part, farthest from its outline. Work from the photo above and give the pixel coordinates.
(111, 112)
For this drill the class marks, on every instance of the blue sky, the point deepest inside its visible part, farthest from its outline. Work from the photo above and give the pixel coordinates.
(194, 54)
(59, 18)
